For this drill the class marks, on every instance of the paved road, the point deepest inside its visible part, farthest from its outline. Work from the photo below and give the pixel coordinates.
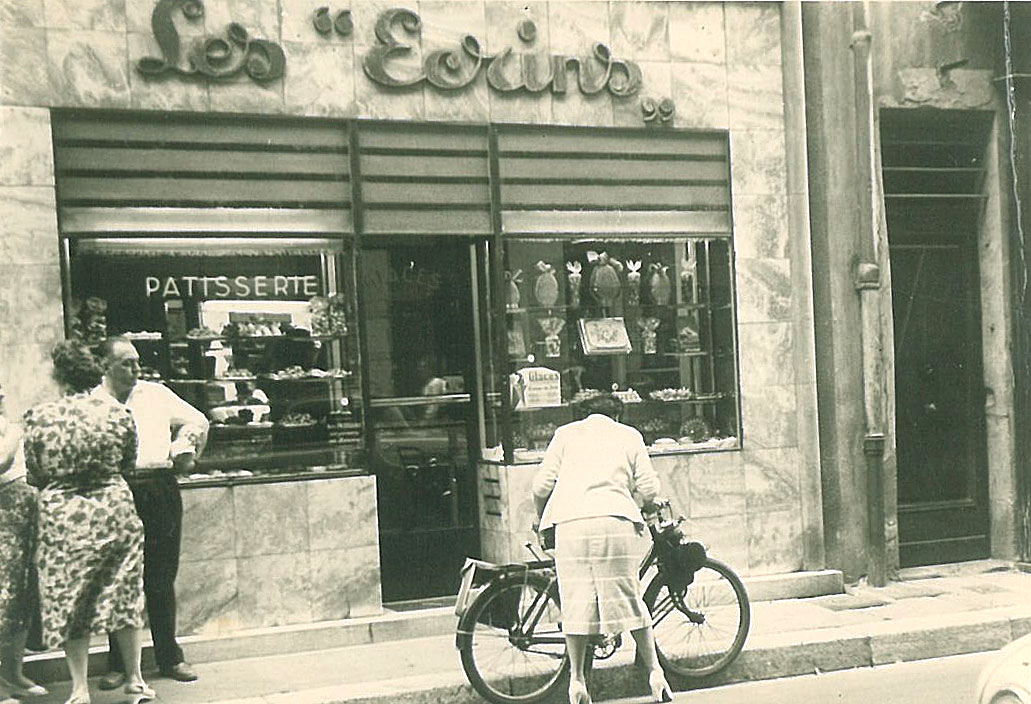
(941, 681)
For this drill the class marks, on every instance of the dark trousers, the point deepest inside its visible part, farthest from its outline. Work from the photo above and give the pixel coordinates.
(160, 507)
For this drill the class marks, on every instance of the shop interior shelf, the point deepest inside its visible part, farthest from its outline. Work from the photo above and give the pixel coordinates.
(694, 353)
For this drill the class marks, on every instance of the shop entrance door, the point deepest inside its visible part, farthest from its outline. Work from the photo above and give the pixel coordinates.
(933, 180)
(421, 349)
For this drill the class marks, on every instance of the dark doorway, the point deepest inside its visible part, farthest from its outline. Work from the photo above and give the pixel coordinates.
(421, 346)
(933, 175)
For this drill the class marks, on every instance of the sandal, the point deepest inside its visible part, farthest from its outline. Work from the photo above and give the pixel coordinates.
(139, 692)
(77, 700)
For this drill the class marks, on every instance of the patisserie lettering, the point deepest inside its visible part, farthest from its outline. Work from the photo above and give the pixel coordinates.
(232, 286)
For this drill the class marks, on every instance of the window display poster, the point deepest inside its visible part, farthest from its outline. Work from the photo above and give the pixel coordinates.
(535, 387)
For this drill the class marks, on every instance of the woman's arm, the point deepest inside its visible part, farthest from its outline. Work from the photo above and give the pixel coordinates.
(10, 440)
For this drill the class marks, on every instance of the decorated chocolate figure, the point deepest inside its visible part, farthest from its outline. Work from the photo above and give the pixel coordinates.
(633, 282)
(574, 276)
(514, 278)
(545, 288)
(604, 283)
(659, 284)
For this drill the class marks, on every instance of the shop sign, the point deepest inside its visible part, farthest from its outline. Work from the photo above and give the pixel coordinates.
(247, 287)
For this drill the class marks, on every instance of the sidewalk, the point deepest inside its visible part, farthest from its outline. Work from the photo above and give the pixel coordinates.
(930, 612)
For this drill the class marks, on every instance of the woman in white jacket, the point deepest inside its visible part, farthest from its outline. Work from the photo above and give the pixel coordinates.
(584, 488)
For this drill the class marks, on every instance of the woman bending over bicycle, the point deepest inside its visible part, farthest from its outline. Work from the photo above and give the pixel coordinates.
(584, 489)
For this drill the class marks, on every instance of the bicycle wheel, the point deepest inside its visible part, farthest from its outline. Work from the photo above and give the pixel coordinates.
(701, 632)
(511, 642)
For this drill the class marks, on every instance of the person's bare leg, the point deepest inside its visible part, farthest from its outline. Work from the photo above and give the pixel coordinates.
(645, 642)
(12, 655)
(76, 651)
(130, 644)
(576, 649)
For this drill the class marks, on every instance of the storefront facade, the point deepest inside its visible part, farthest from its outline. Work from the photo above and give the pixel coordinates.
(446, 202)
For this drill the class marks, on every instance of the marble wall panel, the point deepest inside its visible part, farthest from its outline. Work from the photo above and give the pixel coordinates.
(25, 375)
(761, 226)
(21, 13)
(259, 17)
(296, 20)
(209, 525)
(575, 108)
(574, 27)
(717, 485)
(85, 14)
(763, 290)
(271, 519)
(345, 583)
(758, 164)
(775, 542)
(26, 154)
(726, 538)
(755, 35)
(342, 513)
(384, 102)
(639, 30)
(88, 68)
(770, 417)
(444, 24)
(171, 93)
(274, 590)
(700, 94)
(756, 97)
(138, 16)
(656, 83)
(765, 351)
(772, 480)
(24, 76)
(207, 594)
(320, 79)
(246, 95)
(31, 310)
(675, 477)
(696, 32)
(503, 18)
(28, 225)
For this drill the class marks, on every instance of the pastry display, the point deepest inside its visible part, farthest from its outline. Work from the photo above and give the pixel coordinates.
(203, 333)
(681, 393)
(328, 315)
(296, 419)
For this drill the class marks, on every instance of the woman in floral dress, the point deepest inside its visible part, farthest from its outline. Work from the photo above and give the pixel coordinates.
(17, 583)
(90, 553)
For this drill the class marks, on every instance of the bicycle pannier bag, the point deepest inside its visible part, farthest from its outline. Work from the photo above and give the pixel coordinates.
(679, 560)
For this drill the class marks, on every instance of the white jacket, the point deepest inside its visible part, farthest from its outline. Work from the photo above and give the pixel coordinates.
(591, 468)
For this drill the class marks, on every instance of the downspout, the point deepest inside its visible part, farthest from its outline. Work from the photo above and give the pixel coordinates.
(868, 283)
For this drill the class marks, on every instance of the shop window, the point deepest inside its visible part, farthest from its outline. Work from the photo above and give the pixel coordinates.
(260, 339)
(651, 319)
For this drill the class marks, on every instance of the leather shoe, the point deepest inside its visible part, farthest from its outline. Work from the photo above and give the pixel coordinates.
(112, 680)
(181, 672)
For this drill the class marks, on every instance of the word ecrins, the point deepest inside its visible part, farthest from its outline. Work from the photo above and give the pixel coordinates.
(507, 71)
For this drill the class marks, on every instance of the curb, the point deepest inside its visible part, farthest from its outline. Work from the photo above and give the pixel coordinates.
(782, 655)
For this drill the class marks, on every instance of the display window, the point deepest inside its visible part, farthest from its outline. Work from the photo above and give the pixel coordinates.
(652, 320)
(260, 338)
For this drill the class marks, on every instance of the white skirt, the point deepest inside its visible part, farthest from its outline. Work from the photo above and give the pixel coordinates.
(597, 561)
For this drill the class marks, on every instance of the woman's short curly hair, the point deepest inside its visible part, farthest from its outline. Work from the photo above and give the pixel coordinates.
(75, 367)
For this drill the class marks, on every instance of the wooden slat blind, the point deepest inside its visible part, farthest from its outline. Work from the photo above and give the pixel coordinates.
(559, 179)
(424, 179)
(147, 174)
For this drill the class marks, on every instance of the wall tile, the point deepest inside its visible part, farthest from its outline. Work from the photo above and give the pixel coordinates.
(169, 92)
(28, 224)
(88, 68)
(345, 583)
(342, 513)
(640, 30)
(246, 95)
(24, 77)
(320, 79)
(21, 13)
(274, 590)
(26, 152)
(296, 19)
(25, 374)
(772, 480)
(675, 477)
(656, 83)
(765, 351)
(208, 524)
(696, 32)
(763, 290)
(445, 23)
(271, 519)
(207, 595)
(756, 97)
(726, 538)
(85, 14)
(574, 27)
(717, 485)
(758, 164)
(138, 16)
(700, 94)
(31, 310)
(761, 226)
(775, 542)
(575, 108)
(259, 17)
(770, 417)
(755, 38)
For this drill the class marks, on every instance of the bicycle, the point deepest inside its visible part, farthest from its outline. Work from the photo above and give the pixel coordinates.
(509, 631)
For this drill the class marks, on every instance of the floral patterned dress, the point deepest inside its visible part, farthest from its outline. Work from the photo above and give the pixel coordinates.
(17, 540)
(90, 552)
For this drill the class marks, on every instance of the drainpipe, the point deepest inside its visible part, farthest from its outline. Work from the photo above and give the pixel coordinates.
(868, 283)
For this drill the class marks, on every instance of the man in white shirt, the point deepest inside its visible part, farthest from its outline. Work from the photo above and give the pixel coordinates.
(171, 434)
